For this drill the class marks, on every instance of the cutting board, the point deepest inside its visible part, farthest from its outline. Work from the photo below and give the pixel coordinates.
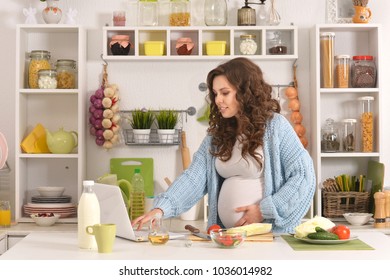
(266, 237)
(376, 173)
(124, 168)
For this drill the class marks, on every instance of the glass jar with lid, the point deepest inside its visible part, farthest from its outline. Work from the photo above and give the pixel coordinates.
(327, 41)
(367, 123)
(215, 12)
(349, 135)
(342, 70)
(363, 71)
(39, 60)
(148, 12)
(248, 44)
(277, 45)
(330, 141)
(66, 73)
(47, 79)
(180, 13)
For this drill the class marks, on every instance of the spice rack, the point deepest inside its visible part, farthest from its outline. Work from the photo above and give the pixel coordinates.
(342, 103)
(154, 136)
(200, 36)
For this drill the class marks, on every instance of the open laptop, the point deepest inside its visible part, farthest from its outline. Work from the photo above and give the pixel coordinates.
(113, 211)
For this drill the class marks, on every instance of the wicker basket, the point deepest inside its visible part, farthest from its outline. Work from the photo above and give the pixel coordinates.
(335, 204)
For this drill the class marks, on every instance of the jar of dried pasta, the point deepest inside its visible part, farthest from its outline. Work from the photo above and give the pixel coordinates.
(367, 123)
(66, 73)
(342, 70)
(39, 60)
(180, 13)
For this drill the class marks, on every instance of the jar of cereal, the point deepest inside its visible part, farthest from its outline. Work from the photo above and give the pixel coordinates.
(66, 73)
(39, 60)
(367, 123)
(248, 44)
(47, 79)
(180, 13)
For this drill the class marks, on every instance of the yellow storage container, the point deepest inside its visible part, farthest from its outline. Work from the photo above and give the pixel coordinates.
(216, 48)
(154, 48)
(35, 142)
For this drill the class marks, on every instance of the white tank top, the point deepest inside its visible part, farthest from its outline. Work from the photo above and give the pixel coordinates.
(243, 185)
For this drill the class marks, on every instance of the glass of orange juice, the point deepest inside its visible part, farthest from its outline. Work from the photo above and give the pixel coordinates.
(5, 214)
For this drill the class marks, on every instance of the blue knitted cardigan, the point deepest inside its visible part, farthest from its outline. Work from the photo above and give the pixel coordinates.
(289, 180)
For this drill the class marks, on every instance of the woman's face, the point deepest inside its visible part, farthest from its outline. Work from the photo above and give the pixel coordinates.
(225, 97)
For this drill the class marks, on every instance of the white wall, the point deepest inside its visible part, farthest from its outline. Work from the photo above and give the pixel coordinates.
(167, 84)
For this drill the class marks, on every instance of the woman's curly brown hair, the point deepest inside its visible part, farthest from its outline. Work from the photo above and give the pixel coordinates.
(256, 107)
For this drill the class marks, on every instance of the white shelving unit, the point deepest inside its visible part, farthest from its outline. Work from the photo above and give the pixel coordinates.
(341, 103)
(200, 35)
(53, 109)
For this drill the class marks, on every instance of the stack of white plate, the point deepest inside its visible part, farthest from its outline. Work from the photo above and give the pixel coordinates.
(63, 209)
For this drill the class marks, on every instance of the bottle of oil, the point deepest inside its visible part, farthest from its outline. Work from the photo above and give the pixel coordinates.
(138, 195)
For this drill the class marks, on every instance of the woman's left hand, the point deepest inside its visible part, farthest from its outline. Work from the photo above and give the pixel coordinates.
(251, 214)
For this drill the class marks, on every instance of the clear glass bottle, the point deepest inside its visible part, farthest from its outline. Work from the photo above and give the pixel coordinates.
(330, 141)
(363, 71)
(366, 123)
(66, 73)
(158, 234)
(277, 45)
(88, 214)
(47, 79)
(148, 12)
(327, 59)
(342, 70)
(138, 195)
(273, 16)
(349, 135)
(248, 45)
(180, 13)
(215, 12)
(39, 60)
(263, 14)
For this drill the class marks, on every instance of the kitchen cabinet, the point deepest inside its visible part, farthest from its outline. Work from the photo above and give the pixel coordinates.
(53, 108)
(3, 244)
(342, 103)
(200, 35)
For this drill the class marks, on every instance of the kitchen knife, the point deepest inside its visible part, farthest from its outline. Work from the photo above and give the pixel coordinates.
(197, 232)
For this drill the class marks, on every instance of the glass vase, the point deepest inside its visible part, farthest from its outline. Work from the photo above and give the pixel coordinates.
(52, 13)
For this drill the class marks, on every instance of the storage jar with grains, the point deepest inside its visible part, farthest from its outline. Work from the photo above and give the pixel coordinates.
(367, 123)
(342, 70)
(66, 73)
(363, 71)
(327, 59)
(180, 13)
(330, 141)
(47, 79)
(39, 60)
(349, 135)
(248, 44)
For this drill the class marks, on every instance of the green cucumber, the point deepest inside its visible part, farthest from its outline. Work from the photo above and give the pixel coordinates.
(323, 236)
(320, 229)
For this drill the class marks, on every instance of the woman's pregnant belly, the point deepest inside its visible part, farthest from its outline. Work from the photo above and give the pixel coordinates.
(236, 192)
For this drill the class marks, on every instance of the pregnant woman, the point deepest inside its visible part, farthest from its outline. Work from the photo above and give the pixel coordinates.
(251, 164)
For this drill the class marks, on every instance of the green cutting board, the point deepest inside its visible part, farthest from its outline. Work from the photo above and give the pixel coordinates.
(376, 173)
(124, 169)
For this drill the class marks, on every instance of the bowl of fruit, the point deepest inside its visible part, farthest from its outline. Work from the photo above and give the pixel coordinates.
(45, 219)
(227, 239)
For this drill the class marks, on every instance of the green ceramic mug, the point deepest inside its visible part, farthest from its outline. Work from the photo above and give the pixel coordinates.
(104, 235)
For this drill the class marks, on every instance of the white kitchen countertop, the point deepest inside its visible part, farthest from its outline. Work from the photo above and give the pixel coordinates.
(60, 243)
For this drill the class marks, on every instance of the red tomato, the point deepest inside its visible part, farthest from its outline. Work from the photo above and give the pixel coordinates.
(212, 227)
(226, 240)
(342, 231)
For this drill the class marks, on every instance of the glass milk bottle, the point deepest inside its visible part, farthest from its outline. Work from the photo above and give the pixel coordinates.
(88, 214)
(366, 123)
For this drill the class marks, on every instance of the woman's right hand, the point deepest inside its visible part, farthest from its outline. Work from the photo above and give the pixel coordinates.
(141, 220)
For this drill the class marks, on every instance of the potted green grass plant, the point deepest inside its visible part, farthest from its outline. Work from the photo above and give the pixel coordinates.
(141, 123)
(166, 121)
